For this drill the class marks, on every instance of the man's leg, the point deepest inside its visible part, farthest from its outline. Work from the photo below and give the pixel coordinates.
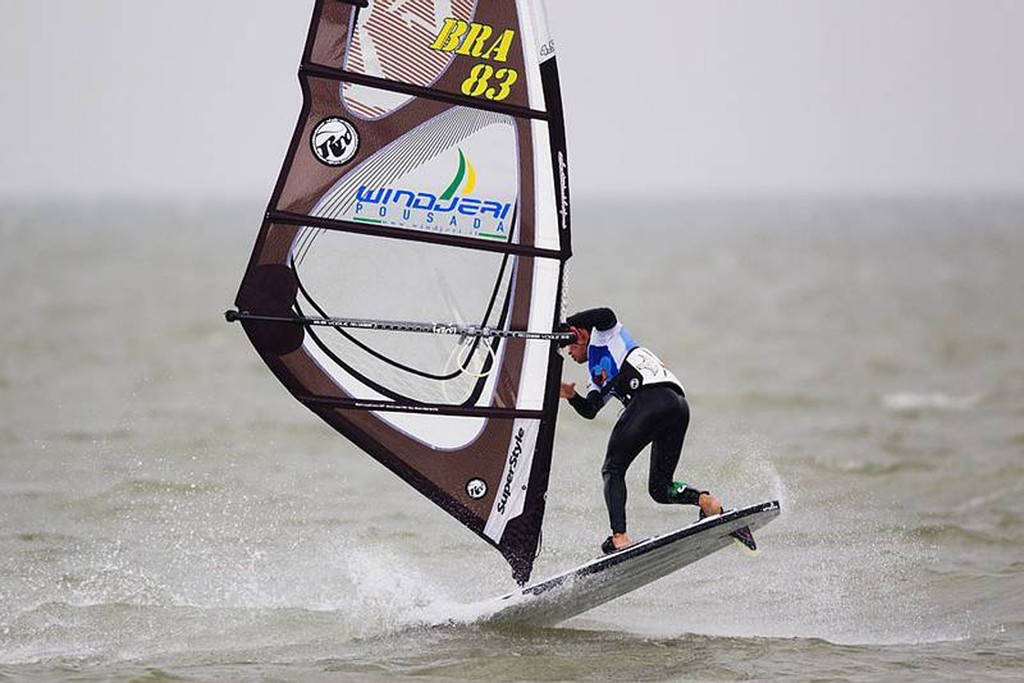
(625, 443)
(665, 452)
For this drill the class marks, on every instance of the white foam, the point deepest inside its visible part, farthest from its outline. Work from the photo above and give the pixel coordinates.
(904, 402)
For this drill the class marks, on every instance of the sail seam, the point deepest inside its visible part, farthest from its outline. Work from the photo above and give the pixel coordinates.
(430, 408)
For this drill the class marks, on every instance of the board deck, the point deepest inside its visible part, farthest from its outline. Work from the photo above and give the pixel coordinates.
(607, 577)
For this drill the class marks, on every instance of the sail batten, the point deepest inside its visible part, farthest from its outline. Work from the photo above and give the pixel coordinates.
(343, 76)
(426, 180)
(425, 408)
(380, 230)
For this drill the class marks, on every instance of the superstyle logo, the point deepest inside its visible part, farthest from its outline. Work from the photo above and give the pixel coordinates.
(454, 210)
(513, 463)
(510, 498)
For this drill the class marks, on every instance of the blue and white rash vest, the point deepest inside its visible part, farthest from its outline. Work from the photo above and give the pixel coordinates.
(617, 365)
(606, 354)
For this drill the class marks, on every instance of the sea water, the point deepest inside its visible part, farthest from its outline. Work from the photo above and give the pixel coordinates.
(168, 512)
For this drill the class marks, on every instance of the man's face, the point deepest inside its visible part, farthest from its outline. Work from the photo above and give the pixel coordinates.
(578, 350)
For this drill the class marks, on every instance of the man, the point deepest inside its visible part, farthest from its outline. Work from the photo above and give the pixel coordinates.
(656, 413)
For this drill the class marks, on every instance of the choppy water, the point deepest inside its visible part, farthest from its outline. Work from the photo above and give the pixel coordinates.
(169, 513)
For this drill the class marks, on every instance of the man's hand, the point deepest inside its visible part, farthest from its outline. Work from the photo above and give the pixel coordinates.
(568, 390)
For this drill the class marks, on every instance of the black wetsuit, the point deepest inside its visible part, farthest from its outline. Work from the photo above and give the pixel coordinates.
(656, 413)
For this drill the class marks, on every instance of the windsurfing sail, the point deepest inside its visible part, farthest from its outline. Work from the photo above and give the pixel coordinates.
(406, 282)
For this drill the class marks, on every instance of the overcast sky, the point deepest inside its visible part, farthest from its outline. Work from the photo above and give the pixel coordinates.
(198, 98)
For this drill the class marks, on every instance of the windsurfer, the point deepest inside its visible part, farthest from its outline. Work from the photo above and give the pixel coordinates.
(656, 413)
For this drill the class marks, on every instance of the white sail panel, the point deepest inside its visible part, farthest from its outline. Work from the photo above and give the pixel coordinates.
(456, 174)
(534, 382)
(544, 184)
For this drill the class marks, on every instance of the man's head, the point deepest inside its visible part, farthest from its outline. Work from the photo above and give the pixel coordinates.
(578, 348)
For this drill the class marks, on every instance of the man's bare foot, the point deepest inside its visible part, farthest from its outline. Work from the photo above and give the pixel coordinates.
(709, 505)
(621, 540)
(615, 543)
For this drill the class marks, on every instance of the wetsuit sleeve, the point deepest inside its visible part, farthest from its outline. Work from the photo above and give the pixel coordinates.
(588, 407)
(600, 318)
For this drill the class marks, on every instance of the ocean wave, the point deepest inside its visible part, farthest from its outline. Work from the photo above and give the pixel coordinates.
(867, 466)
(947, 532)
(765, 399)
(154, 487)
(913, 402)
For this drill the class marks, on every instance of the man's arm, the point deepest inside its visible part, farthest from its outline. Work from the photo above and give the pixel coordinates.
(587, 407)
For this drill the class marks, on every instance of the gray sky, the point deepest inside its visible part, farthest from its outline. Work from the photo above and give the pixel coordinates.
(198, 98)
